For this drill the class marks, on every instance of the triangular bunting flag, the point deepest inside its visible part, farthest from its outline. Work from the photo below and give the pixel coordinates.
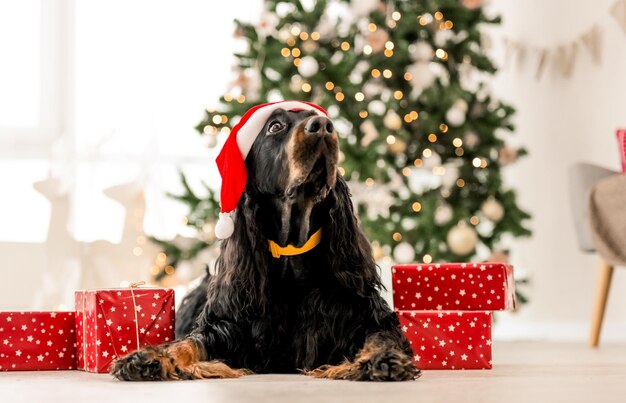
(592, 40)
(618, 11)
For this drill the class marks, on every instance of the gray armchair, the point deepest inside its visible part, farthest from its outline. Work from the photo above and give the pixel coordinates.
(583, 181)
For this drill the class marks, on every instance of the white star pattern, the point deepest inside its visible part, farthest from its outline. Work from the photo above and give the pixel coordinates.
(40, 357)
(435, 346)
(119, 324)
(463, 280)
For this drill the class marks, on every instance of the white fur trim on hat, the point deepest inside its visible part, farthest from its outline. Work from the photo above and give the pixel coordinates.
(250, 130)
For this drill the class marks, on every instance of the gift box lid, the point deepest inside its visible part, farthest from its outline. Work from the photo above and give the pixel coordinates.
(453, 286)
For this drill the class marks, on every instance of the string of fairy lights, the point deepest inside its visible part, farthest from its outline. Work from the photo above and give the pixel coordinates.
(297, 46)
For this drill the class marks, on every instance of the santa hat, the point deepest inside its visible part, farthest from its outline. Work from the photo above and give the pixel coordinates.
(231, 159)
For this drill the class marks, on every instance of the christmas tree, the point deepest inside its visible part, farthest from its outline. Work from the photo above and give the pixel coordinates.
(422, 139)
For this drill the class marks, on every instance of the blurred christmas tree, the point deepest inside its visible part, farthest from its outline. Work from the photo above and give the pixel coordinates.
(422, 140)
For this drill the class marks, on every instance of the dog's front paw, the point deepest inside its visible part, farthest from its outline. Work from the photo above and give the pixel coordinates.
(389, 365)
(148, 364)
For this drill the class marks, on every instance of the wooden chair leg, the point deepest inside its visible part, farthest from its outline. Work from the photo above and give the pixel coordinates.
(605, 274)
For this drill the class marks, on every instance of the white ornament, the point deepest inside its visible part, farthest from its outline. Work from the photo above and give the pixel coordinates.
(455, 116)
(462, 239)
(377, 107)
(392, 121)
(403, 253)
(443, 214)
(363, 8)
(431, 162)
(225, 226)
(492, 209)
(308, 66)
(421, 75)
(421, 51)
(442, 36)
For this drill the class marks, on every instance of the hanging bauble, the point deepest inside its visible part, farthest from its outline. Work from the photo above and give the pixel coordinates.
(267, 25)
(421, 51)
(372, 88)
(403, 253)
(470, 140)
(432, 161)
(471, 4)
(295, 84)
(370, 133)
(392, 121)
(309, 46)
(457, 113)
(507, 155)
(421, 75)
(492, 209)
(443, 214)
(442, 36)
(397, 147)
(363, 8)
(284, 9)
(462, 239)
(455, 117)
(377, 40)
(377, 107)
(308, 66)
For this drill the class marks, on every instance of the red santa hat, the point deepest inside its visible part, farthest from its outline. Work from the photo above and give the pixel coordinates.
(231, 159)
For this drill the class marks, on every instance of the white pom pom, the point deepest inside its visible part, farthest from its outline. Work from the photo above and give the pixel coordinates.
(225, 226)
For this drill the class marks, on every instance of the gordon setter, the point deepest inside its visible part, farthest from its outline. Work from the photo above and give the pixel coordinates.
(319, 312)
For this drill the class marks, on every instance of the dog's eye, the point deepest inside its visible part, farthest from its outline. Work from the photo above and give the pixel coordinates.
(275, 127)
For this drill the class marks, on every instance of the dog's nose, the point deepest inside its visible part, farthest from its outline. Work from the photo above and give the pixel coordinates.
(319, 125)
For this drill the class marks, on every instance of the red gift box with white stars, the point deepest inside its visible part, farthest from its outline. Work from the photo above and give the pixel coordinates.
(453, 286)
(37, 341)
(448, 339)
(115, 322)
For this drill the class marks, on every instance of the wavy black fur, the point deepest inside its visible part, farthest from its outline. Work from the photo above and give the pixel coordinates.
(302, 312)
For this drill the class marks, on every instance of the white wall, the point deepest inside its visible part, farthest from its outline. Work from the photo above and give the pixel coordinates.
(561, 121)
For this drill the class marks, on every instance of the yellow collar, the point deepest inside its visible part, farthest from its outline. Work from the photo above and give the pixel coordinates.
(290, 250)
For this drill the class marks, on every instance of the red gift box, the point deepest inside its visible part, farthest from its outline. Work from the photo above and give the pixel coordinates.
(453, 286)
(448, 339)
(115, 322)
(621, 142)
(37, 341)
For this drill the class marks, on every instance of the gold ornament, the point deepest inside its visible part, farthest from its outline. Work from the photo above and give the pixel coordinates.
(392, 121)
(462, 239)
(492, 209)
(397, 147)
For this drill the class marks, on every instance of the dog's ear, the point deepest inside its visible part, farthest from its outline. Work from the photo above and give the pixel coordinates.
(351, 254)
(242, 265)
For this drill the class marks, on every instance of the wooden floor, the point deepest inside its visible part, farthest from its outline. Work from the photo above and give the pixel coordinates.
(523, 372)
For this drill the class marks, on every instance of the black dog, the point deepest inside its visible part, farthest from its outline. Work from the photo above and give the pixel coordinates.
(319, 312)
